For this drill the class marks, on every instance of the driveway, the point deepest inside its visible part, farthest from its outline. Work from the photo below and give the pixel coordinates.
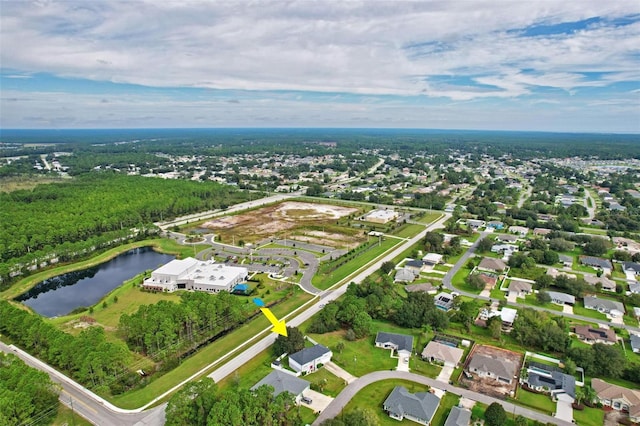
(445, 374)
(339, 372)
(403, 363)
(318, 401)
(567, 309)
(564, 410)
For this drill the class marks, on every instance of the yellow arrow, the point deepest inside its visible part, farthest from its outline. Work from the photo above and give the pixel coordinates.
(278, 326)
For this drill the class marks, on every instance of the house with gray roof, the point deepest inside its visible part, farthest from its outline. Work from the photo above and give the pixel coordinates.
(554, 381)
(567, 261)
(458, 416)
(507, 238)
(495, 368)
(596, 262)
(402, 343)
(282, 381)
(562, 298)
(635, 342)
(443, 301)
(634, 287)
(419, 407)
(404, 275)
(605, 306)
(631, 267)
(309, 359)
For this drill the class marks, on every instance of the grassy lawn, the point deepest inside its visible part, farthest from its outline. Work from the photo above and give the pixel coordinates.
(579, 309)
(372, 397)
(429, 217)
(459, 282)
(326, 280)
(250, 373)
(497, 294)
(589, 417)
(447, 402)
(67, 417)
(306, 414)
(207, 355)
(408, 231)
(325, 382)
(536, 401)
(533, 301)
(418, 366)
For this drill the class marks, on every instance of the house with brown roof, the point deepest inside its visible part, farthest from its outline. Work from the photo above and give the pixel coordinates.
(606, 283)
(541, 231)
(439, 352)
(519, 288)
(593, 335)
(426, 287)
(618, 398)
(492, 265)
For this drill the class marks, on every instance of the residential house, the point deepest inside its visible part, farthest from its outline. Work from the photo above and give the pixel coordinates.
(519, 288)
(631, 267)
(553, 272)
(490, 280)
(591, 335)
(281, 381)
(506, 249)
(475, 224)
(495, 224)
(562, 298)
(519, 230)
(401, 343)
(458, 416)
(596, 262)
(636, 312)
(309, 359)
(495, 368)
(443, 301)
(506, 238)
(404, 275)
(634, 287)
(606, 283)
(419, 407)
(541, 232)
(635, 342)
(416, 266)
(618, 398)
(426, 287)
(567, 261)
(543, 378)
(492, 265)
(432, 259)
(605, 306)
(439, 352)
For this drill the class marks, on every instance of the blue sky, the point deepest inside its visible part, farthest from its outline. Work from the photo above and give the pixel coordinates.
(505, 65)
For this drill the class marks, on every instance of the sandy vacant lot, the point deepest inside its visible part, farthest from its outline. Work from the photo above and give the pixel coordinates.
(489, 386)
(290, 218)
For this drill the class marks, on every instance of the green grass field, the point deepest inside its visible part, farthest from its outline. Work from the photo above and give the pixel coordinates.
(67, 417)
(447, 402)
(589, 417)
(409, 230)
(372, 397)
(325, 382)
(536, 401)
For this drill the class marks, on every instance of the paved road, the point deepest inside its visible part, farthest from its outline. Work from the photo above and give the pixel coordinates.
(336, 406)
(87, 404)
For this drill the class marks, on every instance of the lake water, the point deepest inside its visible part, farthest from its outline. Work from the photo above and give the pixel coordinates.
(64, 293)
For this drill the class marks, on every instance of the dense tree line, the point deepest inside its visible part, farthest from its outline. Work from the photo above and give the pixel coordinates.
(169, 328)
(378, 300)
(202, 404)
(27, 395)
(527, 327)
(89, 358)
(52, 219)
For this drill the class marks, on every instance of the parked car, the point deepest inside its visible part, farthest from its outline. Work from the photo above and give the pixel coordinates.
(306, 400)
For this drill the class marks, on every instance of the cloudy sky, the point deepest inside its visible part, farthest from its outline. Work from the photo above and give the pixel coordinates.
(514, 65)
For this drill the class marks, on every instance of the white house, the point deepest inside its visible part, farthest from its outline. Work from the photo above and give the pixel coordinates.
(309, 359)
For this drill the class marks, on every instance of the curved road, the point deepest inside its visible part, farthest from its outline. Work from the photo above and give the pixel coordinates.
(336, 406)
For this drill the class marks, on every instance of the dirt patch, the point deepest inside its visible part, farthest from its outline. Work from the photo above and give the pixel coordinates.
(614, 418)
(487, 385)
(289, 218)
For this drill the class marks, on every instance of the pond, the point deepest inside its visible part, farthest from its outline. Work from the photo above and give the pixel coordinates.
(62, 294)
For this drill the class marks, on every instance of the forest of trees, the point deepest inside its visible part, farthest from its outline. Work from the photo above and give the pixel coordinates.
(203, 404)
(65, 220)
(167, 328)
(27, 396)
(89, 357)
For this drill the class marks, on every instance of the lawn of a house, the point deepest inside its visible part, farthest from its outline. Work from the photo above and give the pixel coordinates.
(424, 368)
(589, 417)
(447, 402)
(536, 401)
(579, 309)
(459, 282)
(373, 396)
(325, 382)
(430, 217)
(531, 299)
(408, 231)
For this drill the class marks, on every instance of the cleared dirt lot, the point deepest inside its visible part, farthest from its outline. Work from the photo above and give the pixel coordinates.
(308, 222)
(490, 386)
